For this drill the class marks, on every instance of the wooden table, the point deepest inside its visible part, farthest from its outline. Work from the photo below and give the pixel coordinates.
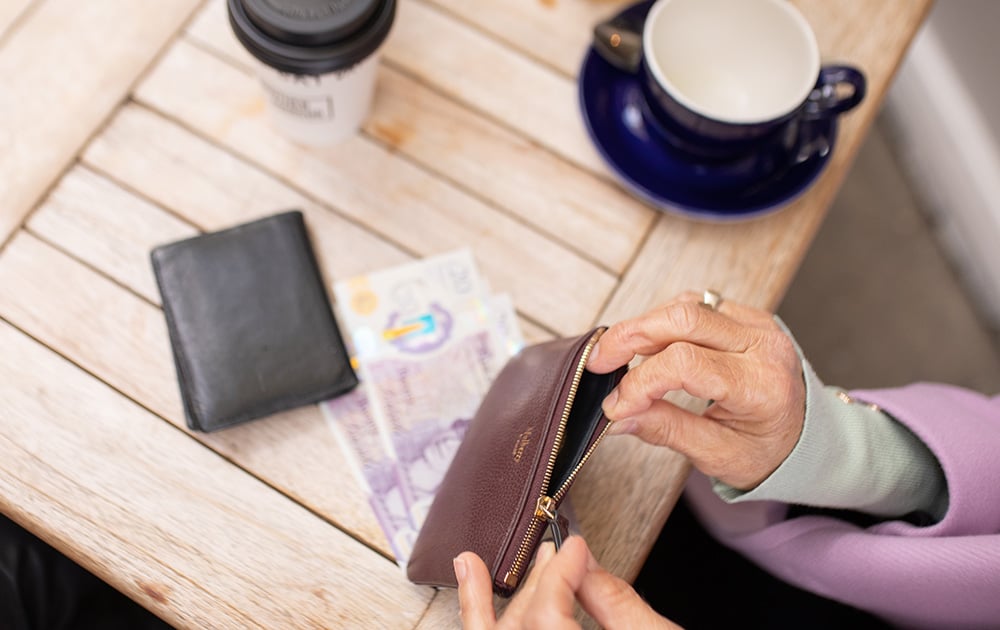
(126, 124)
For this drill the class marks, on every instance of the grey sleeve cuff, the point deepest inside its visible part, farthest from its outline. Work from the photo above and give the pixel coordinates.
(851, 456)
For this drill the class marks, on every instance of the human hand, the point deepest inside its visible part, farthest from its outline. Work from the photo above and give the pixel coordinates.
(737, 357)
(546, 598)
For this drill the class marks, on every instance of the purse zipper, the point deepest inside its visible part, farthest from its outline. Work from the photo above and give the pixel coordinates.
(545, 505)
(546, 508)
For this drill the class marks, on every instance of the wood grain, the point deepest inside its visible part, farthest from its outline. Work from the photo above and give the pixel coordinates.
(173, 525)
(148, 154)
(100, 326)
(556, 32)
(593, 217)
(62, 71)
(444, 612)
(111, 229)
(382, 191)
(483, 74)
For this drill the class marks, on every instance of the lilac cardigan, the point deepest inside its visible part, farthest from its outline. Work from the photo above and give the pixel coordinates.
(946, 575)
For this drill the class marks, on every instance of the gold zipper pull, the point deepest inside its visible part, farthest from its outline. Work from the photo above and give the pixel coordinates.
(546, 509)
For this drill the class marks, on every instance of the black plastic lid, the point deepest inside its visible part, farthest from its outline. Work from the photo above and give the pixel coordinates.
(311, 36)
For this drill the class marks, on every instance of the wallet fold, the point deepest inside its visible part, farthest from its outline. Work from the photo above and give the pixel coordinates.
(535, 429)
(250, 322)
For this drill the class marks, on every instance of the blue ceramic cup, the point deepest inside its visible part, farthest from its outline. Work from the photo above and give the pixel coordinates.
(739, 84)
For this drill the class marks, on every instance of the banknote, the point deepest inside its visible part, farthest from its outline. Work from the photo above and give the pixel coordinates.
(414, 309)
(505, 328)
(422, 404)
(423, 407)
(349, 417)
(427, 340)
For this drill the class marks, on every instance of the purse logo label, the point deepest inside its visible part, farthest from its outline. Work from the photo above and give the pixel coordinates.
(522, 443)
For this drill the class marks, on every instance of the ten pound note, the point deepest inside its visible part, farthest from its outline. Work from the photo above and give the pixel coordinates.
(428, 339)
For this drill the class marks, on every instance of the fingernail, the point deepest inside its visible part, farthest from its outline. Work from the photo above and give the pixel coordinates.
(622, 427)
(611, 400)
(596, 350)
(460, 568)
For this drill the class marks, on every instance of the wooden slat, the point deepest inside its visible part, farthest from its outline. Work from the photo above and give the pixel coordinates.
(481, 72)
(151, 155)
(148, 154)
(123, 340)
(97, 324)
(556, 32)
(174, 526)
(113, 230)
(443, 611)
(593, 217)
(210, 28)
(62, 71)
(383, 191)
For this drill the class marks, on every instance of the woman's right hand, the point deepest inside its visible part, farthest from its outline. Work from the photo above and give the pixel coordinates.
(736, 356)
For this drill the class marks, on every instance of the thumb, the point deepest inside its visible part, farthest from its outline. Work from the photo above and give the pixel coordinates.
(475, 592)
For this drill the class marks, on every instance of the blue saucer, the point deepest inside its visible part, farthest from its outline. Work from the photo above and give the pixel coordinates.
(612, 102)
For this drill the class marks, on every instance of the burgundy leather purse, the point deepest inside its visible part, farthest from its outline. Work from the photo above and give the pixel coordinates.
(535, 429)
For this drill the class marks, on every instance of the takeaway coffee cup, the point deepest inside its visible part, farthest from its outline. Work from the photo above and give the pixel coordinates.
(318, 61)
(727, 79)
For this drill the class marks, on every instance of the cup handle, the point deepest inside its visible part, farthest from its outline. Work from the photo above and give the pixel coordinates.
(824, 101)
(619, 41)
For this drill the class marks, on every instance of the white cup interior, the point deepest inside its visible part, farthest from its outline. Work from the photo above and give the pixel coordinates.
(738, 61)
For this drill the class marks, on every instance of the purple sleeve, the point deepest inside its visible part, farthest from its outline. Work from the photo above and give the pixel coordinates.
(943, 575)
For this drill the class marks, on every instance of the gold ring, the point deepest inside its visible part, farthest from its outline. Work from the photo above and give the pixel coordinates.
(711, 300)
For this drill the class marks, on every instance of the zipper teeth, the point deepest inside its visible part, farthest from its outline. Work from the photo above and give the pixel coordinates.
(522, 550)
(567, 408)
(583, 460)
(537, 521)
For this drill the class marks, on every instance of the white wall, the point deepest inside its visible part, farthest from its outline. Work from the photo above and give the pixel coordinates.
(944, 119)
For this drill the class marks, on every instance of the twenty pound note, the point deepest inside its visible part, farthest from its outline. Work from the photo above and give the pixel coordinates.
(428, 340)
(349, 417)
(413, 310)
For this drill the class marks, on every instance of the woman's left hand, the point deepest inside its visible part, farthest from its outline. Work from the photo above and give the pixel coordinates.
(546, 599)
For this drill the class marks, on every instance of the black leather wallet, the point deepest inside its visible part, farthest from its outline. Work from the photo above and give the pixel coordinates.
(250, 322)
